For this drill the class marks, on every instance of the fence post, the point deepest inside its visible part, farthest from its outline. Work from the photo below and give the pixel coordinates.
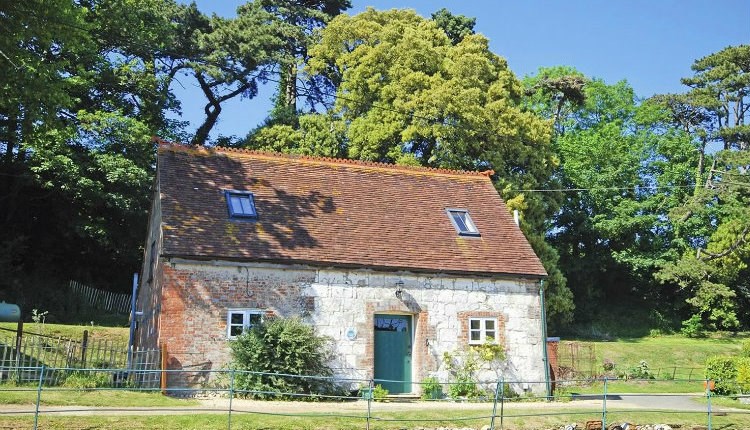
(708, 401)
(19, 337)
(38, 399)
(231, 397)
(502, 402)
(370, 386)
(494, 405)
(84, 346)
(604, 405)
(163, 381)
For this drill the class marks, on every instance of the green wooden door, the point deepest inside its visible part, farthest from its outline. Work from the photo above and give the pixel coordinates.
(393, 352)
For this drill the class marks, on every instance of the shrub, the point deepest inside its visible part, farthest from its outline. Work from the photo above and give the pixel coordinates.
(282, 346)
(745, 348)
(693, 327)
(608, 365)
(379, 393)
(431, 389)
(743, 374)
(641, 371)
(723, 370)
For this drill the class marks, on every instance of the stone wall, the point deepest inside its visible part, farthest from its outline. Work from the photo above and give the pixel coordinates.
(342, 304)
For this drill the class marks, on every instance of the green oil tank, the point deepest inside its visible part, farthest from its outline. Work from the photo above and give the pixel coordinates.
(9, 312)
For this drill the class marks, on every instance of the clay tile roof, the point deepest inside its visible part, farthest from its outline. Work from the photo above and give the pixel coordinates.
(332, 212)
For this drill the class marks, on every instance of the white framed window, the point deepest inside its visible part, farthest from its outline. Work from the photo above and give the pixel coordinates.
(482, 330)
(239, 320)
(462, 222)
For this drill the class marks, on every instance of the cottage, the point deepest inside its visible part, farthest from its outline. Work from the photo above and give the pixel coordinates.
(396, 264)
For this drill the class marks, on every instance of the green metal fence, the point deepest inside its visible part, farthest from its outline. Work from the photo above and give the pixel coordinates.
(605, 403)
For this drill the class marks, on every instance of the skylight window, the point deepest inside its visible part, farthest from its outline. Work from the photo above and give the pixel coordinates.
(462, 222)
(241, 204)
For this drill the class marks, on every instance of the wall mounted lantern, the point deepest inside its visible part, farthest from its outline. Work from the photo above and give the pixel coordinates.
(400, 290)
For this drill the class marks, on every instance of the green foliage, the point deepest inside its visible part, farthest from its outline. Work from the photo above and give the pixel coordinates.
(640, 371)
(712, 222)
(88, 380)
(743, 374)
(745, 348)
(463, 365)
(693, 327)
(431, 389)
(456, 27)
(723, 370)
(282, 346)
(379, 394)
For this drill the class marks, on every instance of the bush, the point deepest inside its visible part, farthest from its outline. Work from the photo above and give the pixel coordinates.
(723, 370)
(431, 389)
(87, 380)
(745, 348)
(641, 371)
(379, 393)
(693, 327)
(743, 374)
(282, 346)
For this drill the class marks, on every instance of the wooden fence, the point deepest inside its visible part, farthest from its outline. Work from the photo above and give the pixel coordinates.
(19, 355)
(99, 299)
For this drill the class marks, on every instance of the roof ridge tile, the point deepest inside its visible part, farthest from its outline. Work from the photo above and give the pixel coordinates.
(166, 145)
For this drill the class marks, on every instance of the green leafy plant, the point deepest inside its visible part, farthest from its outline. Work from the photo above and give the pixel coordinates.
(464, 364)
(640, 371)
(745, 348)
(87, 380)
(39, 319)
(279, 347)
(608, 365)
(743, 374)
(379, 394)
(693, 327)
(431, 389)
(722, 370)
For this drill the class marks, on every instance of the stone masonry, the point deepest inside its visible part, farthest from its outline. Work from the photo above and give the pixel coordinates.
(189, 302)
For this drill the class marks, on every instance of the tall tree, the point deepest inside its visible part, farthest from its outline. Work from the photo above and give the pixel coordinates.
(623, 171)
(456, 27)
(406, 94)
(714, 222)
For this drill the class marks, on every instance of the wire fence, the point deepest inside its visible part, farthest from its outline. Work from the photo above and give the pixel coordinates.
(243, 397)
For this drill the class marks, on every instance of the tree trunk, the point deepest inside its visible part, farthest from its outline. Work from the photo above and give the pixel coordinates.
(212, 115)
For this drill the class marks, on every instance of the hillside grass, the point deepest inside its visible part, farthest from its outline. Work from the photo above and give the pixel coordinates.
(75, 332)
(673, 356)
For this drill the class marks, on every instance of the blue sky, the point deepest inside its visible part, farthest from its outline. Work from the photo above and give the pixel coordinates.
(649, 43)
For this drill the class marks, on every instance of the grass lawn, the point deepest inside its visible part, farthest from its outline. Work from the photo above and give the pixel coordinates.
(516, 419)
(634, 387)
(108, 397)
(75, 332)
(672, 355)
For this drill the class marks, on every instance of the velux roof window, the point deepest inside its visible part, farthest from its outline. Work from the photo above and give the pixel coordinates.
(462, 222)
(241, 204)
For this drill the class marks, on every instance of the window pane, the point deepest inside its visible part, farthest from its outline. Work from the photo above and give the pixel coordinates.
(247, 206)
(475, 335)
(235, 330)
(254, 319)
(474, 324)
(469, 224)
(236, 204)
(459, 220)
(490, 335)
(489, 324)
(236, 318)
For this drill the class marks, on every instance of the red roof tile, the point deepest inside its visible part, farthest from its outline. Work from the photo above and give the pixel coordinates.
(334, 212)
